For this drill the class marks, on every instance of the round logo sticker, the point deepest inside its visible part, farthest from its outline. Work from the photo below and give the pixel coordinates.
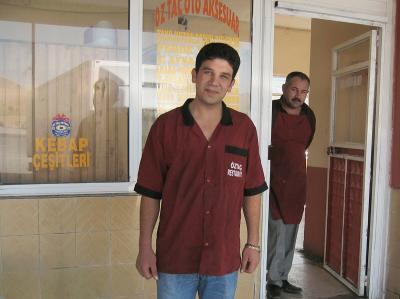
(60, 126)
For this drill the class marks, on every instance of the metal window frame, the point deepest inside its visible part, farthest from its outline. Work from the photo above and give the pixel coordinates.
(135, 129)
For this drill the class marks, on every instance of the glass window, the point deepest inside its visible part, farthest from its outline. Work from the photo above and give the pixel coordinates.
(64, 92)
(277, 83)
(351, 95)
(353, 55)
(173, 33)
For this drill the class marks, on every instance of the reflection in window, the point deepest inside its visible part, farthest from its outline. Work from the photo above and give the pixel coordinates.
(64, 80)
(172, 37)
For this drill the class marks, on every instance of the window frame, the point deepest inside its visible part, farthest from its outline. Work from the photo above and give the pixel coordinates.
(134, 128)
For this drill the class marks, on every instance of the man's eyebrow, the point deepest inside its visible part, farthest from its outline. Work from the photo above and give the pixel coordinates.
(294, 87)
(226, 73)
(211, 69)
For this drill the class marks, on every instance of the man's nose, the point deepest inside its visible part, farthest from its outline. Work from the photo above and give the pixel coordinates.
(213, 79)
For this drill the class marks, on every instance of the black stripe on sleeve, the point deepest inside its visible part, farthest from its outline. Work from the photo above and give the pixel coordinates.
(257, 190)
(147, 192)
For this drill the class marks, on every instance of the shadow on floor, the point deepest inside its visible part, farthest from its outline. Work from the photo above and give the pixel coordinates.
(317, 283)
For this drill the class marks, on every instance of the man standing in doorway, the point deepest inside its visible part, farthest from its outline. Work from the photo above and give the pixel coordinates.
(293, 127)
(202, 162)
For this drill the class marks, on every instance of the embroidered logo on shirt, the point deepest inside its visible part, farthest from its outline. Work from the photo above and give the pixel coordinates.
(235, 170)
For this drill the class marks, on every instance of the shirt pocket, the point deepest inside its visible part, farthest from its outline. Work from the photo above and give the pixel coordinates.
(235, 164)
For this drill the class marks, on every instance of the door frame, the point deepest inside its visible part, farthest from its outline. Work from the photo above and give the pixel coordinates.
(370, 64)
(380, 191)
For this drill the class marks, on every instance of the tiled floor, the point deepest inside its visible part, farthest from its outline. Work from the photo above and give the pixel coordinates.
(315, 281)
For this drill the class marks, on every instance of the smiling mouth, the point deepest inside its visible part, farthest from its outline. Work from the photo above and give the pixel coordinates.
(211, 91)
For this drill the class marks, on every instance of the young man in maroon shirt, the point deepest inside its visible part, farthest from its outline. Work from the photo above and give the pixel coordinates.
(201, 162)
(293, 127)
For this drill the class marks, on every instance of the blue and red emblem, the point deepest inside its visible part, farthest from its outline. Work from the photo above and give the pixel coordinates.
(60, 126)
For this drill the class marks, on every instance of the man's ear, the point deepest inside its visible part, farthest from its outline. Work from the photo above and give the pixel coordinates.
(194, 75)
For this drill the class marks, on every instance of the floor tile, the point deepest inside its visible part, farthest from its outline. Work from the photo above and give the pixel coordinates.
(316, 282)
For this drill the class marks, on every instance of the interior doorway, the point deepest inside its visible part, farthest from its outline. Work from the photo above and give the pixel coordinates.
(306, 44)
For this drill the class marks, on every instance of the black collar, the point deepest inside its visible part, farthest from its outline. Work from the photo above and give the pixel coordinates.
(188, 120)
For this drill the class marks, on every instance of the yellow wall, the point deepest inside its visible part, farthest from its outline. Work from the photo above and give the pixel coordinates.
(325, 35)
(291, 50)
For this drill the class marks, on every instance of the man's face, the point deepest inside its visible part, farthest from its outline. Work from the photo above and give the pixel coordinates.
(213, 80)
(295, 92)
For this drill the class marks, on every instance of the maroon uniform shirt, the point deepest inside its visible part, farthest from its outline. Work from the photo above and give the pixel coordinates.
(202, 185)
(291, 135)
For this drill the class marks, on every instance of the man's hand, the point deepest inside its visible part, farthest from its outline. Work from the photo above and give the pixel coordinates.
(146, 259)
(251, 252)
(146, 264)
(250, 260)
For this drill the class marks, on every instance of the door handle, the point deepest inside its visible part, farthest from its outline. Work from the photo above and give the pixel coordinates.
(330, 150)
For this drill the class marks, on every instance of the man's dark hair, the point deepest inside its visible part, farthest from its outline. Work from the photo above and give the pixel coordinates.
(219, 50)
(301, 75)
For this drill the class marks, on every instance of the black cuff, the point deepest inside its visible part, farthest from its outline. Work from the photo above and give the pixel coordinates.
(257, 190)
(147, 192)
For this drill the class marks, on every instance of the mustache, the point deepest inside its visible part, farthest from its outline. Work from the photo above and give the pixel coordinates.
(296, 99)
(292, 102)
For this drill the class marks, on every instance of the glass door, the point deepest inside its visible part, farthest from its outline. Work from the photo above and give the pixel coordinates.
(353, 91)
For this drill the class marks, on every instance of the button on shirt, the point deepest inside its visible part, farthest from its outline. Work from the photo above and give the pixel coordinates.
(202, 185)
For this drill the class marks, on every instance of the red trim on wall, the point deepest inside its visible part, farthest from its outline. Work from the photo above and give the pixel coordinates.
(314, 225)
(395, 161)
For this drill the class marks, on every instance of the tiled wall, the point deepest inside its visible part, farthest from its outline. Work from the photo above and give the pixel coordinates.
(76, 248)
(69, 248)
